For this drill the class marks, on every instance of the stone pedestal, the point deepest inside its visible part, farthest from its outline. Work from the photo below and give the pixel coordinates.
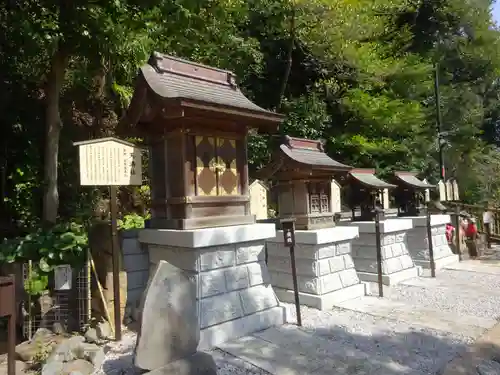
(418, 244)
(397, 264)
(233, 289)
(325, 270)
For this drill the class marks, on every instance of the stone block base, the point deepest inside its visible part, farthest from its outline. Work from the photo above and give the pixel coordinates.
(324, 302)
(397, 264)
(234, 295)
(325, 269)
(391, 279)
(439, 263)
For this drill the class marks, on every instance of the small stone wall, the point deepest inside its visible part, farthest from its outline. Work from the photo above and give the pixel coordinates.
(325, 272)
(418, 244)
(136, 264)
(234, 293)
(397, 264)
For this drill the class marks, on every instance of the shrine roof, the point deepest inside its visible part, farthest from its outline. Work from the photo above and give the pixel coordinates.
(410, 179)
(367, 177)
(173, 78)
(311, 153)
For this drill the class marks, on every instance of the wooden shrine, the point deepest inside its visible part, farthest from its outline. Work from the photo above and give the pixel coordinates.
(409, 194)
(196, 120)
(302, 174)
(364, 193)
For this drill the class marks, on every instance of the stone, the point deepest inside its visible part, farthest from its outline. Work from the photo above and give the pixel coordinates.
(91, 335)
(43, 338)
(52, 368)
(20, 367)
(197, 364)
(58, 328)
(67, 350)
(103, 330)
(90, 352)
(79, 365)
(169, 328)
(488, 368)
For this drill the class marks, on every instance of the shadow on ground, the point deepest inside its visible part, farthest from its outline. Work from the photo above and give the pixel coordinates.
(333, 350)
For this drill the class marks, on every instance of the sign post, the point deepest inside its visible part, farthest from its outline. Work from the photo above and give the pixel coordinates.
(430, 244)
(378, 245)
(288, 226)
(8, 310)
(111, 162)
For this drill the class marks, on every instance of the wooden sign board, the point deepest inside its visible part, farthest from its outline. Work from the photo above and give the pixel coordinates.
(109, 162)
(258, 200)
(62, 277)
(336, 197)
(442, 191)
(449, 190)
(456, 194)
(427, 192)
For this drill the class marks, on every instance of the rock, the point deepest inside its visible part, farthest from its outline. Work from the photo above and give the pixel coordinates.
(67, 350)
(42, 340)
(91, 335)
(52, 368)
(169, 328)
(197, 364)
(79, 365)
(20, 367)
(488, 368)
(104, 331)
(91, 353)
(58, 328)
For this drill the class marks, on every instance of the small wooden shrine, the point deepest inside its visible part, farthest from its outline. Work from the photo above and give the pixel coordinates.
(409, 194)
(196, 121)
(302, 174)
(364, 193)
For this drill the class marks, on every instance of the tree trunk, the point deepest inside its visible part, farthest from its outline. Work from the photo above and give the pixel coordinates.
(288, 67)
(55, 81)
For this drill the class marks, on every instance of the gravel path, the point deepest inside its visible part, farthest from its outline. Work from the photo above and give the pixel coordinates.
(482, 281)
(419, 350)
(455, 301)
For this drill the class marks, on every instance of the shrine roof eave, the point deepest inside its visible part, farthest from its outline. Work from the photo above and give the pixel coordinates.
(409, 179)
(188, 92)
(368, 178)
(318, 161)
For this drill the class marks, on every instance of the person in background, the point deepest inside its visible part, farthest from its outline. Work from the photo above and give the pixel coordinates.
(488, 221)
(471, 237)
(450, 234)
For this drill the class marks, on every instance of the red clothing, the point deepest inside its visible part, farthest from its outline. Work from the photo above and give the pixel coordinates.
(449, 232)
(471, 230)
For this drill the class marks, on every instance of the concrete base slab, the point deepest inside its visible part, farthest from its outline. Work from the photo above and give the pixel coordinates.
(213, 336)
(439, 263)
(391, 279)
(435, 319)
(322, 302)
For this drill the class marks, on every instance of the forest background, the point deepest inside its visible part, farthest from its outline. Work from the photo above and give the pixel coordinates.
(357, 73)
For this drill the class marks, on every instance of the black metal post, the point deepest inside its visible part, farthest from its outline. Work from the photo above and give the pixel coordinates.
(288, 226)
(439, 127)
(431, 245)
(457, 229)
(378, 244)
(116, 262)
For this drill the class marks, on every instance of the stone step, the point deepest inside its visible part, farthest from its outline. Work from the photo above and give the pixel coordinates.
(348, 342)
(430, 318)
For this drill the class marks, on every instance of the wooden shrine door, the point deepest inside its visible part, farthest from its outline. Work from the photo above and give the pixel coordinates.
(217, 170)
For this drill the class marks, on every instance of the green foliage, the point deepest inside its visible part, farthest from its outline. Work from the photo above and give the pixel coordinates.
(62, 244)
(132, 221)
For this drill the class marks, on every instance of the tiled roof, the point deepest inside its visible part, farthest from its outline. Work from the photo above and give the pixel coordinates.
(408, 178)
(172, 78)
(367, 177)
